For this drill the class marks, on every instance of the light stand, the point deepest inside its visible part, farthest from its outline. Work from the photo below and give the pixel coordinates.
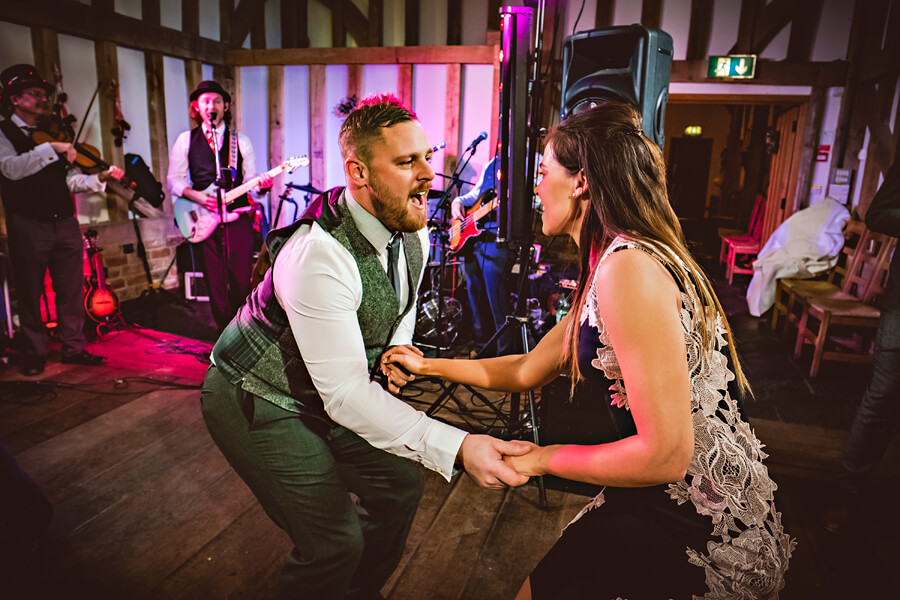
(220, 183)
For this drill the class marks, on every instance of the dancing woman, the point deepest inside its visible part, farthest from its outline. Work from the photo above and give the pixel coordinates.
(688, 510)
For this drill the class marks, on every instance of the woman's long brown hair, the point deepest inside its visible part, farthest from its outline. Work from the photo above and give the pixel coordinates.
(626, 186)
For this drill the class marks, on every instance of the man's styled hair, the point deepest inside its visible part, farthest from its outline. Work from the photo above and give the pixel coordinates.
(362, 127)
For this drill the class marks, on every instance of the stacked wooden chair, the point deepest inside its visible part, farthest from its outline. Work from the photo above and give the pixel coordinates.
(839, 321)
(789, 289)
(739, 251)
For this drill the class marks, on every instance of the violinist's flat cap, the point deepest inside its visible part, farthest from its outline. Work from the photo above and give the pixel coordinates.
(210, 87)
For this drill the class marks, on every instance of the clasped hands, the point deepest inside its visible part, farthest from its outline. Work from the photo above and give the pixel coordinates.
(491, 462)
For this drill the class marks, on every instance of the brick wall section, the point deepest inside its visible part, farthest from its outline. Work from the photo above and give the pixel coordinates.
(125, 271)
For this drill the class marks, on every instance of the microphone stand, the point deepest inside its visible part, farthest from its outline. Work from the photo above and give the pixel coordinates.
(223, 241)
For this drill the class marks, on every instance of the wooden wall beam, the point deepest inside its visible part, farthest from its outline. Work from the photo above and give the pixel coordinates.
(412, 23)
(376, 22)
(45, 45)
(881, 142)
(190, 16)
(771, 20)
(317, 113)
(107, 5)
(804, 28)
(604, 16)
(226, 17)
(404, 84)
(651, 13)
(451, 117)
(294, 24)
(770, 72)
(881, 61)
(338, 25)
(366, 56)
(244, 18)
(275, 78)
(700, 29)
(812, 133)
(150, 11)
(749, 12)
(258, 31)
(156, 111)
(356, 24)
(493, 23)
(454, 22)
(354, 80)
(193, 74)
(107, 60)
(81, 20)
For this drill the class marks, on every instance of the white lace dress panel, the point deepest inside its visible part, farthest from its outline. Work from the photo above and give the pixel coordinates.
(749, 551)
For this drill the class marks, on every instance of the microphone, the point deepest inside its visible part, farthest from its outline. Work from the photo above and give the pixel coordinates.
(481, 137)
(212, 117)
(438, 146)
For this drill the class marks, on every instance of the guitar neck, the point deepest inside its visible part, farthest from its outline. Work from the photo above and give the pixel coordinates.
(484, 209)
(245, 187)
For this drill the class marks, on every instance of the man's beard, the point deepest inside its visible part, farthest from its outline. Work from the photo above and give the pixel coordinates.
(393, 210)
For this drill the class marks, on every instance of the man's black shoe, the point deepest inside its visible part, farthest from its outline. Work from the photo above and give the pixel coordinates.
(32, 365)
(83, 358)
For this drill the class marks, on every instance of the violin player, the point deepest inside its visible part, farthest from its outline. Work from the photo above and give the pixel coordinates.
(36, 184)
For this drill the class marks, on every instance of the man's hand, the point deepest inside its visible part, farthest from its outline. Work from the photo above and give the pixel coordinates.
(396, 374)
(265, 183)
(65, 148)
(482, 457)
(404, 359)
(203, 199)
(113, 172)
(457, 210)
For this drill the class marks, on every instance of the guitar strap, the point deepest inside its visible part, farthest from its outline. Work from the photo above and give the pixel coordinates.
(232, 153)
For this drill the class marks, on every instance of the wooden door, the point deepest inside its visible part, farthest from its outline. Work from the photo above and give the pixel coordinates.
(688, 175)
(782, 197)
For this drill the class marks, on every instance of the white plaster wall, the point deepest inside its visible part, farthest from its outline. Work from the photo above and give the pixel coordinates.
(335, 92)
(676, 21)
(176, 96)
(273, 24)
(380, 79)
(319, 24)
(625, 12)
(819, 180)
(133, 92)
(394, 22)
(15, 46)
(475, 98)
(833, 33)
(170, 13)
(474, 22)
(131, 8)
(433, 23)
(296, 136)
(206, 72)
(254, 112)
(209, 19)
(429, 103)
(726, 17)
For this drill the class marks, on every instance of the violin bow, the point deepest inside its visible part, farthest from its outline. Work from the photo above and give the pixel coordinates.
(86, 113)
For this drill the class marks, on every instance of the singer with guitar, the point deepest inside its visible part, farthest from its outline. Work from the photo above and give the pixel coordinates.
(36, 182)
(227, 254)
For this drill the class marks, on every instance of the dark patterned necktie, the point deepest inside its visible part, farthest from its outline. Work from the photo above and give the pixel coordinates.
(393, 254)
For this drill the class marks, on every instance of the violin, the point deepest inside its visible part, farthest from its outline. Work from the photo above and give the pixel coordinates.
(87, 157)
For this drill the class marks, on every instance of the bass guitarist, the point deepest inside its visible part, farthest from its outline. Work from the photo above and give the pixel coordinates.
(487, 267)
(192, 169)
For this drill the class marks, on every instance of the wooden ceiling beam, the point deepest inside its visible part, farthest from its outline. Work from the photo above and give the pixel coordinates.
(651, 13)
(771, 20)
(356, 23)
(75, 18)
(346, 56)
(768, 72)
(700, 29)
(804, 28)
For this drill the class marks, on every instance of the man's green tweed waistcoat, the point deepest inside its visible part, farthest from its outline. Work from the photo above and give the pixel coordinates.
(258, 350)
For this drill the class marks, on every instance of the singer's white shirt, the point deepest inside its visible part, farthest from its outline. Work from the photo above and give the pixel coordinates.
(179, 176)
(318, 284)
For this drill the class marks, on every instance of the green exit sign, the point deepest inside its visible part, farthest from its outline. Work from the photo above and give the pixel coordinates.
(734, 66)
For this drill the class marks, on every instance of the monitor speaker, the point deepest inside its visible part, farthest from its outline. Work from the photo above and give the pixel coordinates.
(631, 63)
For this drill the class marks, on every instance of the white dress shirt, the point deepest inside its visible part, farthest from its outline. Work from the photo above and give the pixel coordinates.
(317, 282)
(179, 177)
(16, 166)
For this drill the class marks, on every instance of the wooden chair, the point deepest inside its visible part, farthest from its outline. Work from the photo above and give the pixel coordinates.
(737, 235)
(743, 248)
(789, 289)
(847, 319)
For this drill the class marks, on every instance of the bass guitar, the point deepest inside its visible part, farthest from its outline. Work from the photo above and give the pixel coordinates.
(197, 223)
(463, 230)
(100, 302)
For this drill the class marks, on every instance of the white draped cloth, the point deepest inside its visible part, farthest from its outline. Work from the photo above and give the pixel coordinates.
(806, 244)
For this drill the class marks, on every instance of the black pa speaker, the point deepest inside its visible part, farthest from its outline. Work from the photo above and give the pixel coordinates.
(630, 63)
(145, 184)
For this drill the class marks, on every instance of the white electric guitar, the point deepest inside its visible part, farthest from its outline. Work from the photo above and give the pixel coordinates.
(197, 223)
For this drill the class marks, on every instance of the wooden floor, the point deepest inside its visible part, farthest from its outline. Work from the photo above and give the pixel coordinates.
(146, 506)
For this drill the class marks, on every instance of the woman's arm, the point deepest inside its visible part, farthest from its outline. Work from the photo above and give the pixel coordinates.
(513, 373)
(640, 304)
